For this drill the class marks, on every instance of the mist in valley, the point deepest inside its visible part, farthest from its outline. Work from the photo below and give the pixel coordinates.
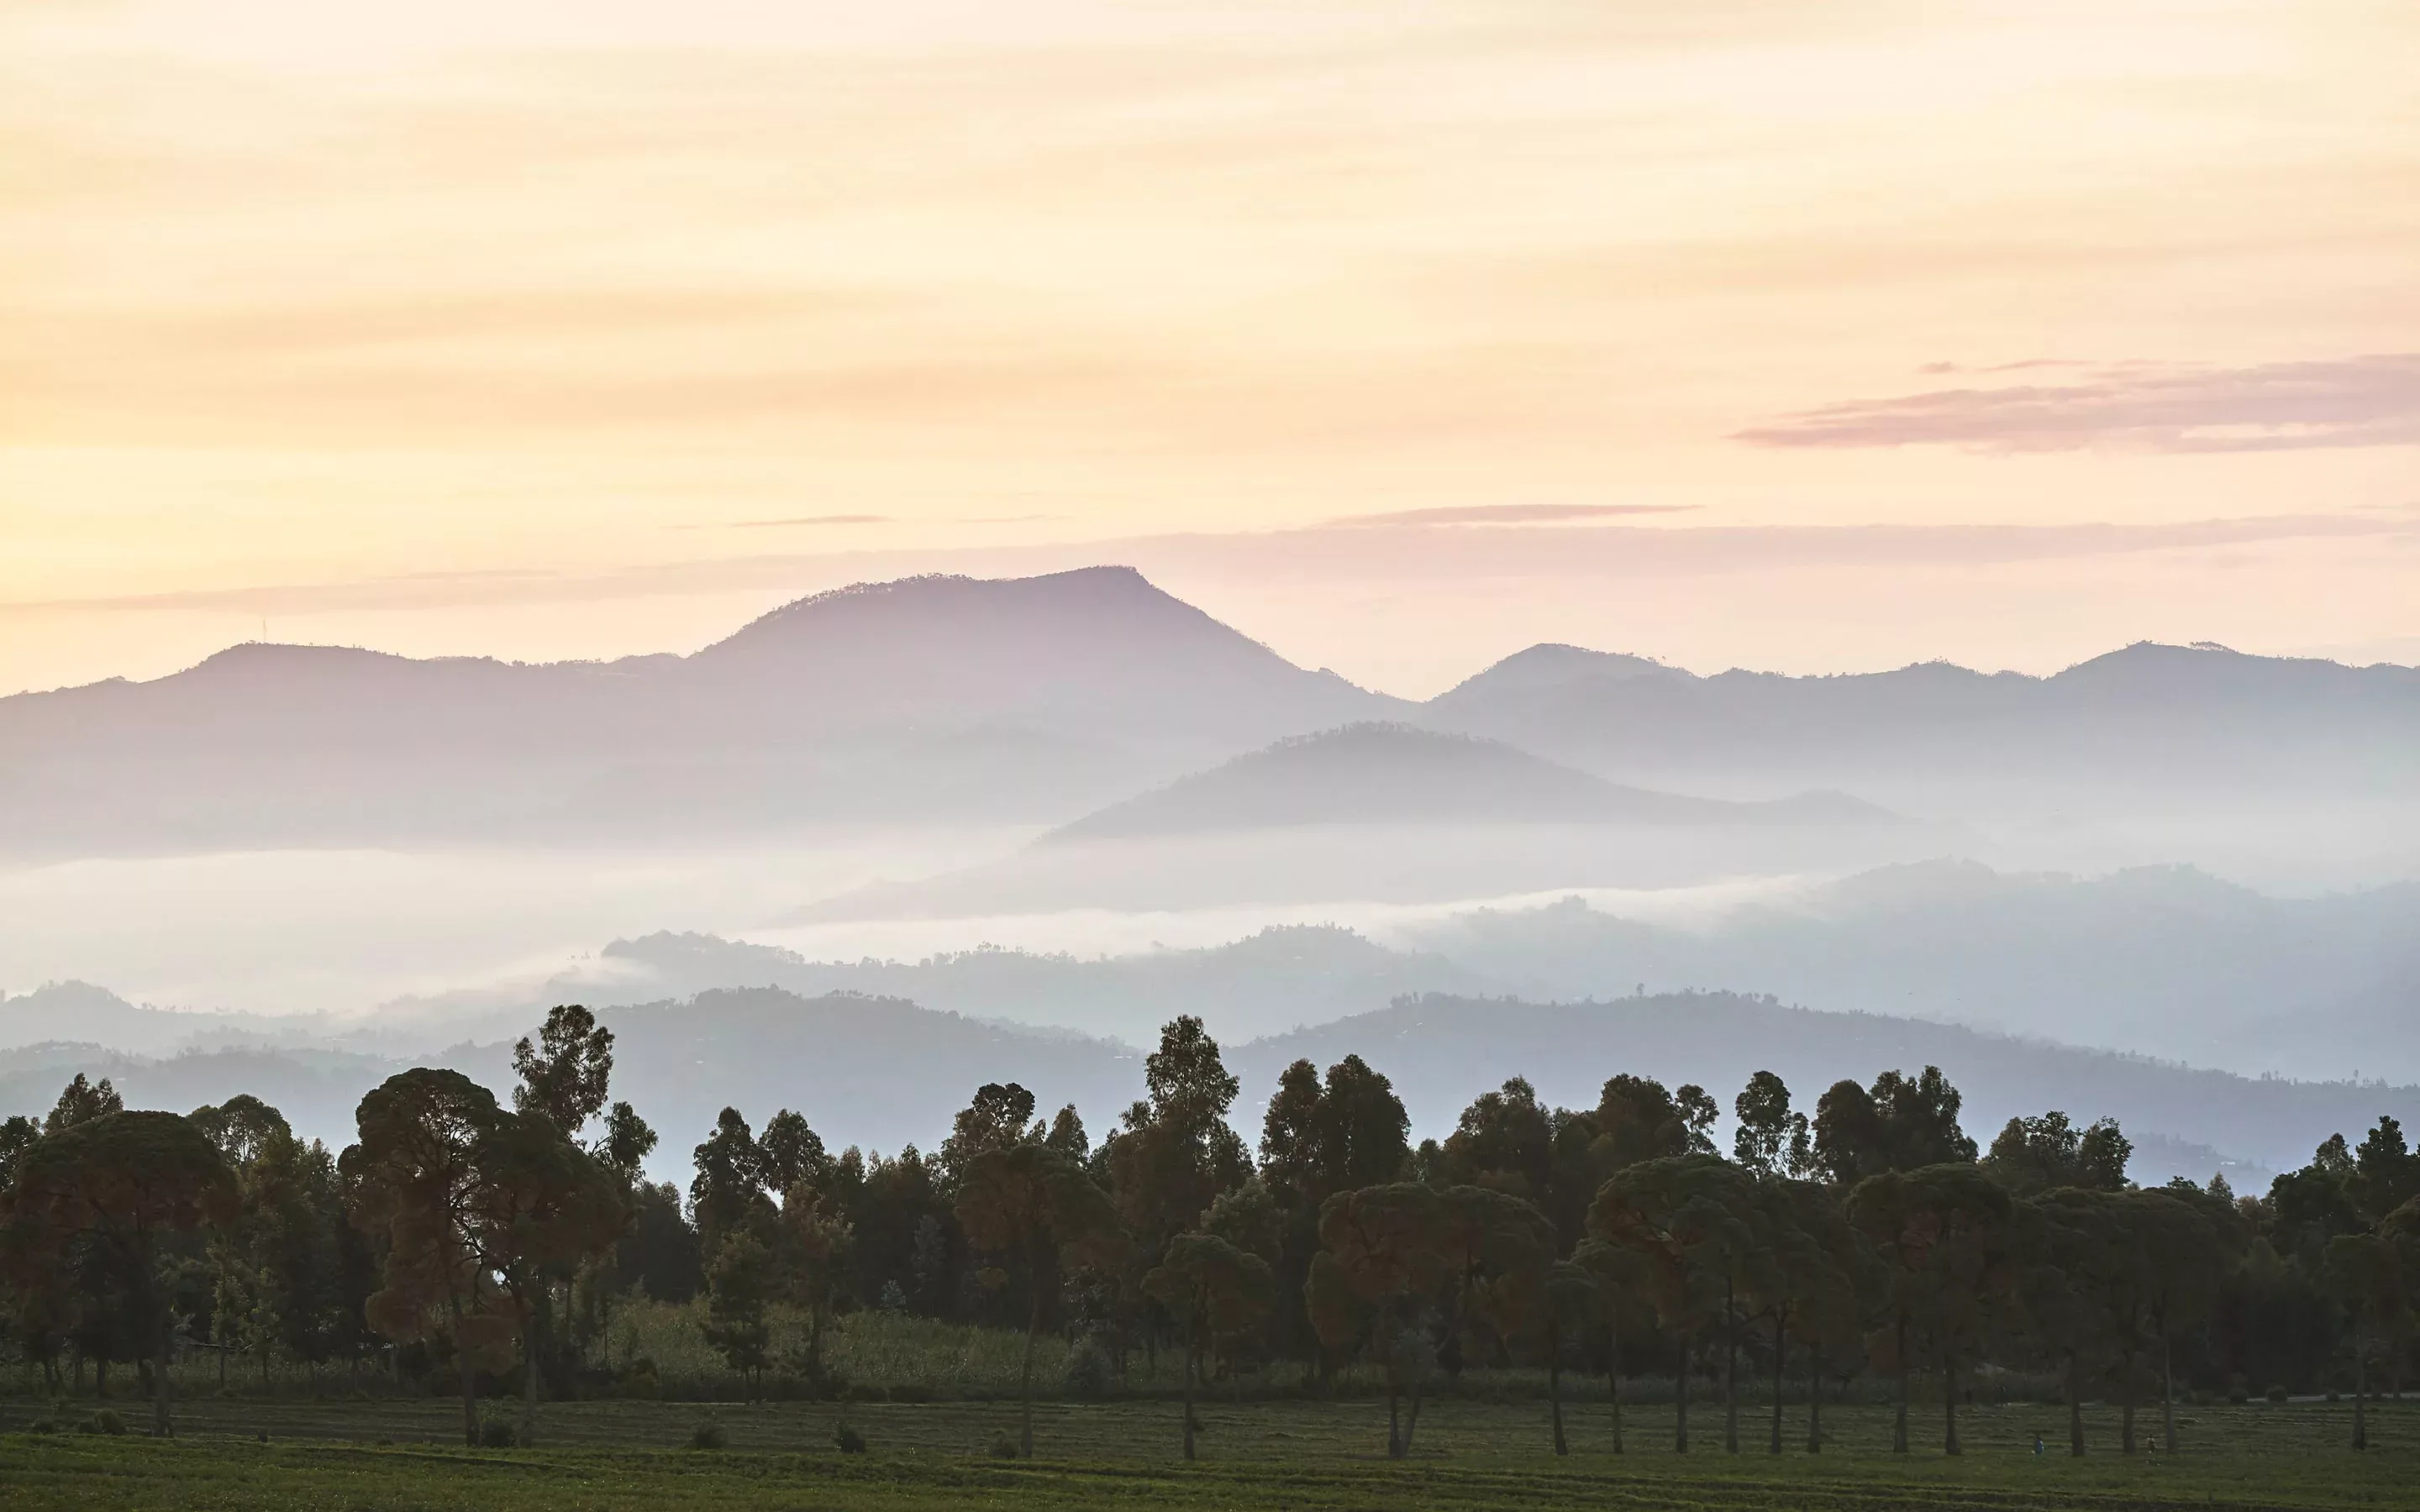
(886, 843)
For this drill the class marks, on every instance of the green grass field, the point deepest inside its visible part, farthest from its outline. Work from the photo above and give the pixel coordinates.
(1302, 1454)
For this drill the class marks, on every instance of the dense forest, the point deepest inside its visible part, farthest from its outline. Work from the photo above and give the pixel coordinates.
(462, 1245)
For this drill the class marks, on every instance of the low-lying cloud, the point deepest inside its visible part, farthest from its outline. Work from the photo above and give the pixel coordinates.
(1505, 514)
(2269, 406)
(1319, 555)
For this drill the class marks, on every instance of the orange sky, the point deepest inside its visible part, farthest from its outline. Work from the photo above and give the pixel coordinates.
(578, 328)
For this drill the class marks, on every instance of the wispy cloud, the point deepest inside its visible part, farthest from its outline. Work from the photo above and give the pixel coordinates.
(2270, 407)
(1322, 555)
(1505, 514)
(808, 519)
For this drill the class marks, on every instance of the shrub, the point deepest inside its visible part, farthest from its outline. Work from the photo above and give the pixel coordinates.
(847, 1439)
(496, 1433)
(2276, 1394)
(108, 1421)
(43, 1425)
(1003, 1445)
(706, 1435)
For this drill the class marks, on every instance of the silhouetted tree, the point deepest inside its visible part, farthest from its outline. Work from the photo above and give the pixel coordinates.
(2038, 1153)
(1212, 1290)
(1772, 1139)
(418, 1178)
(124, 1183)
(1030, 1203)
(564, 1073)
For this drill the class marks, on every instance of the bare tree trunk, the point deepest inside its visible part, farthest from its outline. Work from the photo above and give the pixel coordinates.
(161, 1427)
(1681, 1417)
(1025, 1376)
(1613, 1379)
(1815, 1400)
(470, 1395)
(2360, 1390)
(1949, 1402)
(528, 1433)
(2167, 1392)
(1555, 1386)
(1412, 1419)
(1192, 1364)
(2074, 1405)
(1899, 1418)
(1780, 1359)
(1730, 1371)
(1394, 1419)
(2125, 1401)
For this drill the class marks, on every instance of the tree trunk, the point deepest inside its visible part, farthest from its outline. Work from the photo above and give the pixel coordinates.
(1899, 1418)
(161, 1427)
(1025, 1376)
(1730, 1371)
(1394, 1419)
(2359, 1390)
(1681, 1415)
(2167, 1393)
(470, 1379)
(528, 1433)
(1949, 1403)
(467, 1377)
(2126, 1402)
(1412, 1419)
(1613, 1379)
(1555, 1387)
(1780, 1359)
(1192, 1364)
(1815, 1400)
(2074, 1405)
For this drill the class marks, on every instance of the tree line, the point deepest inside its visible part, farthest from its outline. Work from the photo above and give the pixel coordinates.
(1868, 1239)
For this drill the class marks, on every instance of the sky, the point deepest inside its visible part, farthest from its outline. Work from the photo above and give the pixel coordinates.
(1804, 335)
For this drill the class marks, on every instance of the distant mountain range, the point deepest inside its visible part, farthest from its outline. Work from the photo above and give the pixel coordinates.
(882, 1071)
(2166, 960)
(1395, 813)
(2149, 723)
(1395, 774)
(1038, 702)
(930, 699)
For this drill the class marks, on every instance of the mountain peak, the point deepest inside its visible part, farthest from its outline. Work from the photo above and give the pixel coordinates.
(1061, 649)
(955, 598)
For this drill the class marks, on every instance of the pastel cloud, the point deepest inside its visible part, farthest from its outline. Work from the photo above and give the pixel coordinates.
(2352, 401)
(1505, 514)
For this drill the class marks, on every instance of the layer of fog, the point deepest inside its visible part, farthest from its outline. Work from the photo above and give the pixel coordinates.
(420, 948)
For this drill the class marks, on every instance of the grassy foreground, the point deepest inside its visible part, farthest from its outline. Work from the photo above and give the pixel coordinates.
(1306, 1454)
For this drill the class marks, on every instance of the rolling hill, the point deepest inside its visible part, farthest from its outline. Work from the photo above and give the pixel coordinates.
(1395, 774)
(883, 1072)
